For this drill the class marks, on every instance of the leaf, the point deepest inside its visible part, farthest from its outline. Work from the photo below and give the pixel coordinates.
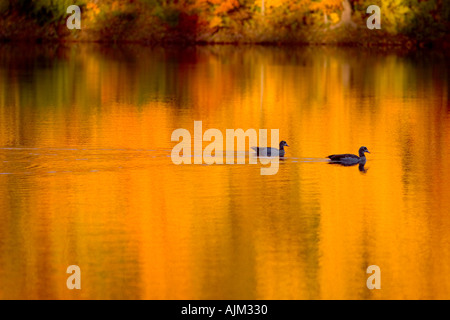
(215, 22)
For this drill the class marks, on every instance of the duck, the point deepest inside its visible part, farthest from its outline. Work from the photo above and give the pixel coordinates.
(350, 158)
(269, 152)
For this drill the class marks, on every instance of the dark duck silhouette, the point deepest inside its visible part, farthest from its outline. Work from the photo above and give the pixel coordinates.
(271, 152)
(350, 159)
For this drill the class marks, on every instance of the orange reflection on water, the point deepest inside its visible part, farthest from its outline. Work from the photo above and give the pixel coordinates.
(87, 177)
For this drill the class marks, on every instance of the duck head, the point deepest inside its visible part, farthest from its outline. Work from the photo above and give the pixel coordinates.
(283, 144)
(363, 150)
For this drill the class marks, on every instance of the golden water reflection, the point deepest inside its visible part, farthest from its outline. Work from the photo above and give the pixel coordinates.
(86, 176)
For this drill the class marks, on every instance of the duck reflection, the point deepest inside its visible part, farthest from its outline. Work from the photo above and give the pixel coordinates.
(362, 168)
(361, 165)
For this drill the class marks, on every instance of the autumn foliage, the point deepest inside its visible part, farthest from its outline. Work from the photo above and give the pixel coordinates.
(226, 21)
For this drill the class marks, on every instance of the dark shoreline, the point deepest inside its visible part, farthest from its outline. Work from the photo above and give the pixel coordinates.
(405, 46)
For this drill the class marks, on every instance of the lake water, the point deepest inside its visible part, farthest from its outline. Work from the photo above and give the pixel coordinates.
(87, 179)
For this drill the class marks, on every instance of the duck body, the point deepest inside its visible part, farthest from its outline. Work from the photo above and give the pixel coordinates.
(271, 152)
(349, 158)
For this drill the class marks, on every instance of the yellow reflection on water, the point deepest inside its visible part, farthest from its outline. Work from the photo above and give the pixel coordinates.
(87, 179)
